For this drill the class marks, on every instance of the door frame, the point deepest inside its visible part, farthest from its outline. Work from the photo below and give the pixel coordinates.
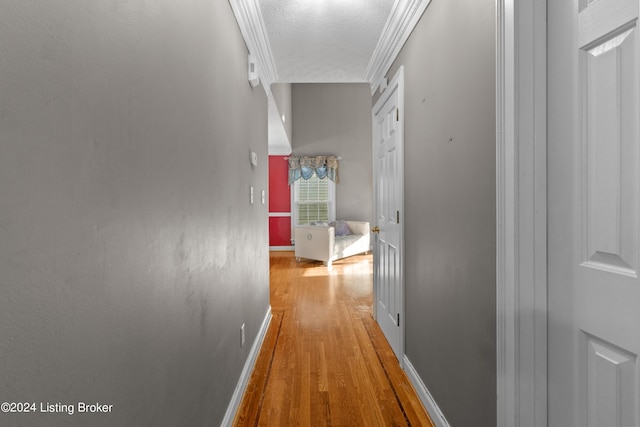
(521, 213)
(398, 79)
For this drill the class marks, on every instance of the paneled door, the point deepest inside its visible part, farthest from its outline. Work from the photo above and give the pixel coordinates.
(388, 209)
(594, 193)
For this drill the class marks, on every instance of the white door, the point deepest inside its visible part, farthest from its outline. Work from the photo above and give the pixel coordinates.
(593, 198)
(388, 204)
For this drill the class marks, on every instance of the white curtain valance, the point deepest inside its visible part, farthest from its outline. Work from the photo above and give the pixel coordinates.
(305, 166)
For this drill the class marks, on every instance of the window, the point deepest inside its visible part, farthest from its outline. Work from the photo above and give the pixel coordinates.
(313, 200)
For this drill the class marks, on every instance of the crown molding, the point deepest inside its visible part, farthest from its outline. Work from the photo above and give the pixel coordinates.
(404, 16)
(254, 32)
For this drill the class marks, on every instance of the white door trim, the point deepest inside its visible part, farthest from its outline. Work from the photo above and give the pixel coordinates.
(398, 79)
(521, 213)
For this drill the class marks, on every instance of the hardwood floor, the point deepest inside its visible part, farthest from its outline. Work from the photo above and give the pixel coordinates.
(324, 360)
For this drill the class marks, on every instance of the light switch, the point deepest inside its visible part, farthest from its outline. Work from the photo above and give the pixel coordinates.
(251, 195)
(263, 197)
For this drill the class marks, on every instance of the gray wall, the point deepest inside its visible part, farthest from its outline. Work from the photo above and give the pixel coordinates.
(129, 252)
(335, 118)
(282, 95)
(450, 207)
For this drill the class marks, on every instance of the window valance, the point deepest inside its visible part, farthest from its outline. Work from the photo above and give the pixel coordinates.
(305, 166)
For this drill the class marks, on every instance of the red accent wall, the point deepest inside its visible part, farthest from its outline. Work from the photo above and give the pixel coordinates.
(279, 231)
(279, 202)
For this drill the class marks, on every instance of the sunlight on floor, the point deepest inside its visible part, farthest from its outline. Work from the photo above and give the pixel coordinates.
(359, 268)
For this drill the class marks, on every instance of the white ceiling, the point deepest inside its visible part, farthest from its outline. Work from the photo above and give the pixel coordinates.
(323, 40)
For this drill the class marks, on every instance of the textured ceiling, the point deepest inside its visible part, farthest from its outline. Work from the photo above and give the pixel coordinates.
(323, 40)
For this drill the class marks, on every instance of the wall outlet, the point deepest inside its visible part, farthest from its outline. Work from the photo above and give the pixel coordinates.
(242, 335)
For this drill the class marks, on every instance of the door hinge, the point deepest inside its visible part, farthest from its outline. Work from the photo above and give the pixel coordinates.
(398, 319)
(397, 114)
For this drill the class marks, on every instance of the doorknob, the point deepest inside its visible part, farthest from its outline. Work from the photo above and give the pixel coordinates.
(375, 230)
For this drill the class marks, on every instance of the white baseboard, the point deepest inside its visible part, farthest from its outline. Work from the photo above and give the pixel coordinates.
(246, 372)
(425, 397)
(281, 248)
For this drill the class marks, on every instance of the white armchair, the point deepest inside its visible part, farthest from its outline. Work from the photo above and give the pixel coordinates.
(319, 242)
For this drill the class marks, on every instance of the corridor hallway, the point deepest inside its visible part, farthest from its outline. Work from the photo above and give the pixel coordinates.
(324, 360)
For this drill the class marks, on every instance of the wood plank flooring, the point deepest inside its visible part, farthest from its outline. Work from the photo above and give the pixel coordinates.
(324, 360)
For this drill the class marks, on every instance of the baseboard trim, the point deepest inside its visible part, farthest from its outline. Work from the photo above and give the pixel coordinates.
(246, 372)
(280, 248)
(425, 397)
